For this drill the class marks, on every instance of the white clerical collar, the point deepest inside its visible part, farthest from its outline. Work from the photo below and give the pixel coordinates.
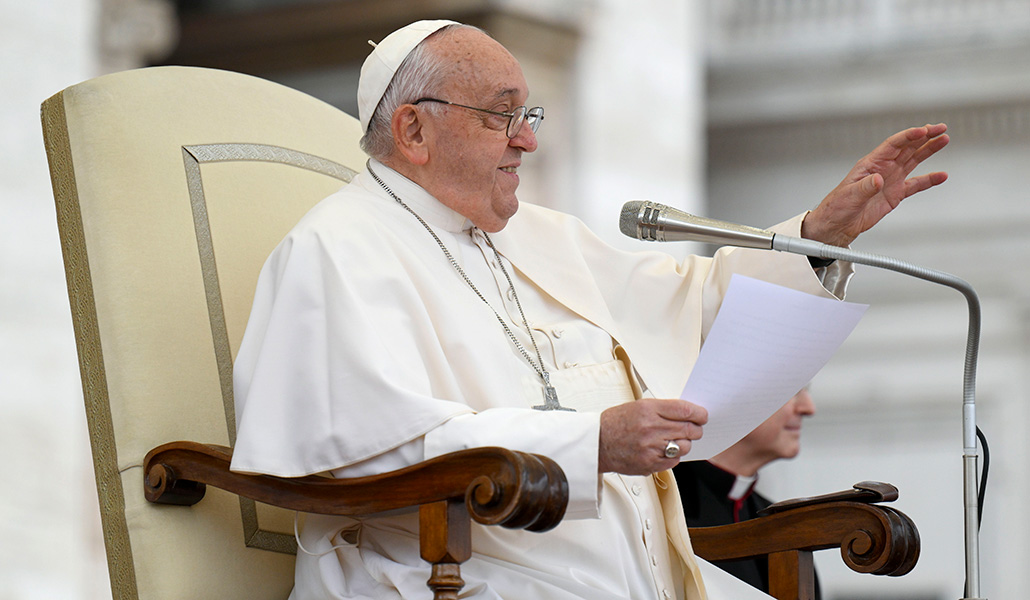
(422, 202)
(742, 487)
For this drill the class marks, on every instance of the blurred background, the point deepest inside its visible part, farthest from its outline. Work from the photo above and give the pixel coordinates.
(746, 110)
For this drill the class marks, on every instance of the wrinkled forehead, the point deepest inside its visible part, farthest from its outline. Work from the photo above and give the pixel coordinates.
(480, 68)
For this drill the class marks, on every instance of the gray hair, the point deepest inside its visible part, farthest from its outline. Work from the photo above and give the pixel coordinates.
(419, 75)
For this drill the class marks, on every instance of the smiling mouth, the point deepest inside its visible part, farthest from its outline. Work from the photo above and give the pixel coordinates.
(508, 169)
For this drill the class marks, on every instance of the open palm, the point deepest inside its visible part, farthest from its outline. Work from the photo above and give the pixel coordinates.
(876, 185)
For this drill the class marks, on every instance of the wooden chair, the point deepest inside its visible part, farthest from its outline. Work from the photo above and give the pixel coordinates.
(172, 186)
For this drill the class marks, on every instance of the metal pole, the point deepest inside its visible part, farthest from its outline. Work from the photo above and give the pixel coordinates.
(969, 451)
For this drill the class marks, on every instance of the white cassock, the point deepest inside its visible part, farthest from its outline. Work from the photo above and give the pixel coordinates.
(366, 351)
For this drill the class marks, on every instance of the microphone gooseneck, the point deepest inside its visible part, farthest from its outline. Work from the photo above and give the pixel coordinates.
(651, 221)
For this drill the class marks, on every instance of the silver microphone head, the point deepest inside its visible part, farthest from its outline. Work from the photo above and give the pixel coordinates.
(633, 215)
(650, 221)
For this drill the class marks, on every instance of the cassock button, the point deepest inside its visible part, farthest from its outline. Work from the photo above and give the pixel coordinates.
(667, 593)
(557, 333)
(654, 560)
(636, 490)
(647, 524)
(511, 293)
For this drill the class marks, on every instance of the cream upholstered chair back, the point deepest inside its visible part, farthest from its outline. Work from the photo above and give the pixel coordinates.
(173, 184)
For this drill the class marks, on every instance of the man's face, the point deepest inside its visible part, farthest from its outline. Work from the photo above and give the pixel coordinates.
(472, 162)
(779, 436)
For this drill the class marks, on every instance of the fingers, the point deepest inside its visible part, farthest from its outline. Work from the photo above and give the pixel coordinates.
(876, 185)
(928, 149)
(684, 420)
(911, 135)
(681, 410)
(911, 147)
(682, 448)
(905, 140)
(924, 182)
(634, 436)
(674, 420)
(916, 144)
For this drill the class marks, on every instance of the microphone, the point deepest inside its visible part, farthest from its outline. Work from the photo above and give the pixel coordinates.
(650, 221)
(653, 222)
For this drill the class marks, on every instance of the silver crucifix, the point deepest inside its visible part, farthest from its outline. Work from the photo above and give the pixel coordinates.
(550, 397)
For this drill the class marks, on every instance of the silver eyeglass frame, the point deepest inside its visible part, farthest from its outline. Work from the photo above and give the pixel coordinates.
(516, 118)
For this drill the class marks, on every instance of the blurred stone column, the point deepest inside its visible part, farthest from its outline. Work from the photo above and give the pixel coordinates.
(640, 109)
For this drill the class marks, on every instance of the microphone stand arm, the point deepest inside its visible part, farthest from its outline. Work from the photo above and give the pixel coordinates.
(970, 456)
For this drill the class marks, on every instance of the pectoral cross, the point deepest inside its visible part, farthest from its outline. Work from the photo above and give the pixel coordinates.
(550, 397)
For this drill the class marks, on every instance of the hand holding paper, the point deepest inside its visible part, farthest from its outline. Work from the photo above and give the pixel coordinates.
(766, 343)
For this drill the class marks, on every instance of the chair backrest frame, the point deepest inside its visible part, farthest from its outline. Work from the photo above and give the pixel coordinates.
(156, 172)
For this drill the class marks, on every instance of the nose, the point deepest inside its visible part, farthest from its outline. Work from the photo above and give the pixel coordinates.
(525, 139)
(803, 404)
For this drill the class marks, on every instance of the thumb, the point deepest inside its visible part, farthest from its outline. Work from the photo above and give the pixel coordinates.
(871, 185)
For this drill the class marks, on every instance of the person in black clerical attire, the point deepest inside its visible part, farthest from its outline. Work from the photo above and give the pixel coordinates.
(720, 491)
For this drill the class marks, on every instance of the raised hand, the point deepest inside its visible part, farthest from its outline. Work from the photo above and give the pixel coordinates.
(876, 185)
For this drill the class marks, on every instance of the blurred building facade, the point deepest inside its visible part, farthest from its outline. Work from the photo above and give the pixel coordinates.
(748, 110)
(796, 92)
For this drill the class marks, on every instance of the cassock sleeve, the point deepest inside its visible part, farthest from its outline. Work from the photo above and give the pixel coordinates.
(570, 439)
(326, 376)
(335, 373)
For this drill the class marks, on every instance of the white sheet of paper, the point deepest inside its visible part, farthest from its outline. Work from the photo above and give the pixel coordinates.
(766, 343)
(720, 585)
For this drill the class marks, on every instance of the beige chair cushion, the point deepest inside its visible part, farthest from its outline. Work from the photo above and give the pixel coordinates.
(173, 184)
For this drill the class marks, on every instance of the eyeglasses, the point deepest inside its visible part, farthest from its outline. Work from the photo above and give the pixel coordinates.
(516, 118)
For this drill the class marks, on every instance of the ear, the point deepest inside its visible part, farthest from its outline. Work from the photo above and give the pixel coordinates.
(408, 135)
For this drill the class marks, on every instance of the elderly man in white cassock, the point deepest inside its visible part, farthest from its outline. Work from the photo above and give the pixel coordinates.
(422, 310)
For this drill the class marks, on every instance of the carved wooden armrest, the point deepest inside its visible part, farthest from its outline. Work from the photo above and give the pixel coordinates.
(499, 486)
(872, 538)
(863, 491)
(493, 486)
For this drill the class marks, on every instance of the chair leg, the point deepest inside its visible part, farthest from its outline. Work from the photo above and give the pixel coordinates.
(445, 537)
(446, 581)
(792, 575)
